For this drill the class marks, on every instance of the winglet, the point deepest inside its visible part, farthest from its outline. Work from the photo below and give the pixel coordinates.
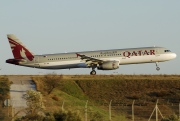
(78, 55)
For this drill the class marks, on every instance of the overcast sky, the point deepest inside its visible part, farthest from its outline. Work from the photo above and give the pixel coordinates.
(58, 26)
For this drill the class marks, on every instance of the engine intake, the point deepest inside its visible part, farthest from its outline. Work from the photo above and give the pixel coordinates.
(110, 65)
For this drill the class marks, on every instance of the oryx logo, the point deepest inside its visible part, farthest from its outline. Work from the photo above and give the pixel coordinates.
(19, 51)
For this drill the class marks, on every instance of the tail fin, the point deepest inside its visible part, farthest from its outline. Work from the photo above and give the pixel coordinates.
(18, 49)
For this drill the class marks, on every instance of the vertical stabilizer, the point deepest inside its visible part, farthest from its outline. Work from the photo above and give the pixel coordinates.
(18, 49)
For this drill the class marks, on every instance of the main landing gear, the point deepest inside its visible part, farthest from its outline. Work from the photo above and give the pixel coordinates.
(157, 67)
(93, 72)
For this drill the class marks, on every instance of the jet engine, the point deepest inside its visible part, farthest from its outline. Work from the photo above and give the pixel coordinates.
(109, 65)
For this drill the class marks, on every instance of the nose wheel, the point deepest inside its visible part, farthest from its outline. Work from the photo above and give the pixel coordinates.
(157, 67)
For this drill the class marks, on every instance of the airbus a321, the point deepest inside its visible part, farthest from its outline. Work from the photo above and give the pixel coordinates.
(100, 59)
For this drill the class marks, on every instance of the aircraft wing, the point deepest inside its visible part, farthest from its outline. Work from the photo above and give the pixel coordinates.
(90, 59)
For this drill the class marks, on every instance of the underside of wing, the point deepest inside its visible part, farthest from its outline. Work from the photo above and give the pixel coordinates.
(101, 64)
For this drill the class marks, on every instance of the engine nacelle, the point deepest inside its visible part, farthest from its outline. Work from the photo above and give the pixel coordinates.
(110, 65)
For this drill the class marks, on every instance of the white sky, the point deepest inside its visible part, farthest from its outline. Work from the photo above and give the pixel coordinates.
(58, 26)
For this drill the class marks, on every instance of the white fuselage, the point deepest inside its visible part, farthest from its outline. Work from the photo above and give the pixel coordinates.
(124, 56)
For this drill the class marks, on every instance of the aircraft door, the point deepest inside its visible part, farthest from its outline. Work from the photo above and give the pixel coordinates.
(157, 52)
(36, 61)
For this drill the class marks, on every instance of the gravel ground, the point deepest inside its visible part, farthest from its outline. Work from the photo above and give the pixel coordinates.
(18, 88)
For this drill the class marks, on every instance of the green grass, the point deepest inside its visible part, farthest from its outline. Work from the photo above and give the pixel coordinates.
(75, 90)
(71, 88)
(75, 99)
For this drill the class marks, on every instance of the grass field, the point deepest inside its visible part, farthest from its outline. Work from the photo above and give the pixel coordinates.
(75, 90)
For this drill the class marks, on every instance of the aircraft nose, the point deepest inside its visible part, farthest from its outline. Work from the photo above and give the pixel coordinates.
(173, 55)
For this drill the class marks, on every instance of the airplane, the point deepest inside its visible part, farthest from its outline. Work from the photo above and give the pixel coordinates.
(100, 59)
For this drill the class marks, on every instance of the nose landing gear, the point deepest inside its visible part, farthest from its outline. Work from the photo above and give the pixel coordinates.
(157, 67)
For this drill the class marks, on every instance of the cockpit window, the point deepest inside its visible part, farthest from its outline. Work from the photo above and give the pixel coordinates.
(167, 51)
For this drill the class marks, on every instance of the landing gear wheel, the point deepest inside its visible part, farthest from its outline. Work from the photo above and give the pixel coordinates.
(93, 72)
(157, 68)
